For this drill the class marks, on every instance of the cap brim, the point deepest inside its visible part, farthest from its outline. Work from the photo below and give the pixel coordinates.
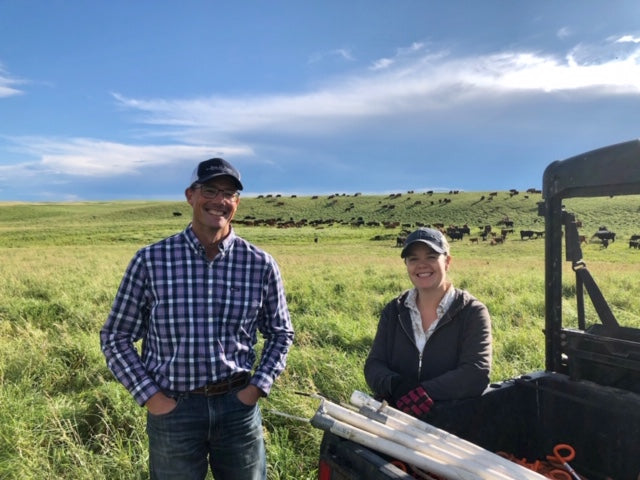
(216, 175)
(433, 246)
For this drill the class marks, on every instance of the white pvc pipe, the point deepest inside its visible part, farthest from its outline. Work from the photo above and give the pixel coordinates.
(400, 420)
(451, 440)
(400, 452)
(482, 463)
(363, 423)
(420, 430)
(397, 417)
(483, 459)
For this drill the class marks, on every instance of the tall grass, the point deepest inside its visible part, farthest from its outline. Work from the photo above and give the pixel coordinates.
(63, 415)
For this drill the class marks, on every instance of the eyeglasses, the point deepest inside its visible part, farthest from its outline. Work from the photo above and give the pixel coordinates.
(212, 192)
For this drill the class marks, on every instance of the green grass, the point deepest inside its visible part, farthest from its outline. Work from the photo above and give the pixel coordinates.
(63, 415)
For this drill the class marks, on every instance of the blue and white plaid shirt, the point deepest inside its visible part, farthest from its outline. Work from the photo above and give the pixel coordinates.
(198, 319)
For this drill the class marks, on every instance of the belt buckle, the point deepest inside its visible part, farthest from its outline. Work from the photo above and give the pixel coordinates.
(224, 386)
(210, 390)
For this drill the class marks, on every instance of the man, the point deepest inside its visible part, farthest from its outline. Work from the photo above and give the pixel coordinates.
(197, 300)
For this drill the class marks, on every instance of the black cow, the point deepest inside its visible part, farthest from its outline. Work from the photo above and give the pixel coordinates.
(526, 234)
(455, 234)
(603, 235)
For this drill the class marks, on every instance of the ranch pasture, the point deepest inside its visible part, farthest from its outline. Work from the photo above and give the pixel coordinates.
(63, 416)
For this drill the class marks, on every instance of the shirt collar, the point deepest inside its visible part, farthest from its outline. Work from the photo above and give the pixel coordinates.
(443, 306)
(196, 246)
(227, 242)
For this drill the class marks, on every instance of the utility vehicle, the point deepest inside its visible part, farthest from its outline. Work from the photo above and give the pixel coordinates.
(588, 395)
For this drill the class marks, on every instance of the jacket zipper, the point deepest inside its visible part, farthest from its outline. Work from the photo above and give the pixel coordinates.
(412, 340)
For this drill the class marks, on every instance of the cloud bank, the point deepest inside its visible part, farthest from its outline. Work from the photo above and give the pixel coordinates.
(416, 81)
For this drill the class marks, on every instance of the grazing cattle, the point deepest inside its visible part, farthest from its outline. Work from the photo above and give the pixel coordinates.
(634, 243)
(400, 241)
(526, 234)
(497, 240)
(603, 235)
(177, 214)
(582, 239)
(474, 240)
(455, 234)
(505, 231)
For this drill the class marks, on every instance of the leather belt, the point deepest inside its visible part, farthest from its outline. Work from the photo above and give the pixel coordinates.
(223, 386)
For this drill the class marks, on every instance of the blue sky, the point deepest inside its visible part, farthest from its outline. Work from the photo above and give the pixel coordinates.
(121, 99)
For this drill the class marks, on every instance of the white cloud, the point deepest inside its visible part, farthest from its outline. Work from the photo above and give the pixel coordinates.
(418, 83)
(414, 47)
(7, 84)
(526, 71)
(343, 53)
(83, 157)
(382, 64)
(628, 39)
(411, 83)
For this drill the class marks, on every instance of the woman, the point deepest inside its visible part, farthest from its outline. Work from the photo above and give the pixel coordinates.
(433, 342)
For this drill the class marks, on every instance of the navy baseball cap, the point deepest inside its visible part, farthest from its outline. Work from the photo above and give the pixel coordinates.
(215, 167)
(429, 236)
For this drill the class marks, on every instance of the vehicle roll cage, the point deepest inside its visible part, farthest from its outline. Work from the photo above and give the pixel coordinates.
(607, 171)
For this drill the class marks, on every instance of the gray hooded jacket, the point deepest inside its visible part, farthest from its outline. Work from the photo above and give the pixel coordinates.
(455, 362)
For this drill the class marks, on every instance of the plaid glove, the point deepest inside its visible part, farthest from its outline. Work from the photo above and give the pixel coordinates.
(417, 402)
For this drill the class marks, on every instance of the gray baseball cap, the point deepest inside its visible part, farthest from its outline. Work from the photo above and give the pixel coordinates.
(429, 236)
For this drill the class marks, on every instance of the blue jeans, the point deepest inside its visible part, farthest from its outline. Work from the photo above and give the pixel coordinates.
(220, 432)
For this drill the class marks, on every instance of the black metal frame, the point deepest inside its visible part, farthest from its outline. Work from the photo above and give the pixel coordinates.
(611, 170)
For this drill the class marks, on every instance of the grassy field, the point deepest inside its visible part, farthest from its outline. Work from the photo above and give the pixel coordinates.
(63, 416)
